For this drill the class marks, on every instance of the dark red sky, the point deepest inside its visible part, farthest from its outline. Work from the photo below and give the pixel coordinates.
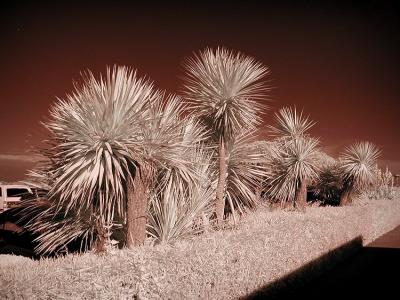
(339, 62)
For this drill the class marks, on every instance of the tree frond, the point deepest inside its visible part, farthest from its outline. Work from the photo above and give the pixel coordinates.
(245, 172)
(290, 124)
(290, 163)
(358, 161)
(94, 130)
(169, 138)
(224, 90)
(177, 205)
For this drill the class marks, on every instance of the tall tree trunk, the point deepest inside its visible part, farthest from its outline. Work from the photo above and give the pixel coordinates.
(300, 198)
(220, 200)
(136, 209)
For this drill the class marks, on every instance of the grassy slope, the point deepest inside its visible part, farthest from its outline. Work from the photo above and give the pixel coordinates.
(225, 264)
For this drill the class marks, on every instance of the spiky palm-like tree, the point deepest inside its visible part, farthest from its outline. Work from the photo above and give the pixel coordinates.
(110, 137)
(245, 172)
(292, 163)
(223, 90)
(357, 165)
(292, 167)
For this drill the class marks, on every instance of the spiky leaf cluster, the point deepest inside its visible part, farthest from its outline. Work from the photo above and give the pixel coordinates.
(291, 163)
(357, 164)
(290, 124)
(293, 155)
(176, 205)
(245, 172)
(223, 89)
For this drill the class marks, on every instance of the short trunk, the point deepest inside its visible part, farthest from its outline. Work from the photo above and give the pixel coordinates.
(136, 210)
(345, 195)
(300, 199)
(220, 200)
(99, 245)
(344, 198)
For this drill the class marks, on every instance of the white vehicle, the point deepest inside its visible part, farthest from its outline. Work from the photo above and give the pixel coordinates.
(10, 195)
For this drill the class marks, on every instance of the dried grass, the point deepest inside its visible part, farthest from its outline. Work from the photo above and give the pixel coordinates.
(265, 246)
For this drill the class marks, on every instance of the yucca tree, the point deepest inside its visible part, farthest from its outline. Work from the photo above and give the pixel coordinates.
(176, 205)
(223, 90)
(292, 162)
(292, 167)
(357, 166)
(245, 172)
(110, 137)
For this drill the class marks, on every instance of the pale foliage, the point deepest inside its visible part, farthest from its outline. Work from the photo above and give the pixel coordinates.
(263, 249)
(223, 89)
(245, 172)
(290, 164)
(54, 226)
(382, 186)
(357, 164)
(98, 136)
(96, 129)
(176, 205)
(324, 160)
(293, 155)
(290, 124)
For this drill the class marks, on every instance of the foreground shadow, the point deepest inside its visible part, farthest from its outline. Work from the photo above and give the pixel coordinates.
(340, 275)
(17, 244)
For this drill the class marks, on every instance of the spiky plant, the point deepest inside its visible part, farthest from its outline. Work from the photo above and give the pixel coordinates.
(290, 124)
(223, 89)
(176, 205)
(56, 229)
(357, 166)
(292, 166)
(328, 186)
(293, 158)
(109, 138)
(245, 173)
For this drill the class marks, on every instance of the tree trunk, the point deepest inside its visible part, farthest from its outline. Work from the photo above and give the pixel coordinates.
(136, 210)
(344, 198)
(220, 200)
(345, 195)
(99, 245)
(300, 198)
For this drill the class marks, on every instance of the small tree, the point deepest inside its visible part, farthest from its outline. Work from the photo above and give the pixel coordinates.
(328, 186)
(357, 166)
(292, 162)
(223, 90)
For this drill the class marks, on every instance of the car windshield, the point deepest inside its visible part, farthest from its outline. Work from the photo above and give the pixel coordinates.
(16, 192)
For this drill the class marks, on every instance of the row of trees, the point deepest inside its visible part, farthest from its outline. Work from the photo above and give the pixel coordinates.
(125, 160)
